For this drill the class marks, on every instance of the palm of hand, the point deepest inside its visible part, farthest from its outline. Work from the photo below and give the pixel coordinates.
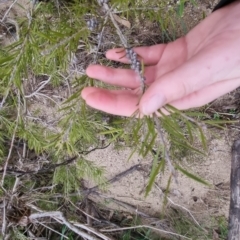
(186, 73)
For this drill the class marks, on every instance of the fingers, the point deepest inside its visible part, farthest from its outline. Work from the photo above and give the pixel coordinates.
(120, 77)
(122, 102)
(149, 55)
(171, 54)
(162, 59)
(125, 103)
(202, 70)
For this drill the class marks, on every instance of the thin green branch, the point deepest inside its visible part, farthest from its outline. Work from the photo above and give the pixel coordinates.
(167, 155)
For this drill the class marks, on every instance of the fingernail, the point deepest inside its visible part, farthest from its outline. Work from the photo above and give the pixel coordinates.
(153, 104)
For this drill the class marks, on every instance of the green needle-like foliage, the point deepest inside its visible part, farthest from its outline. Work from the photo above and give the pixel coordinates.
(70, 176)
(181, 134)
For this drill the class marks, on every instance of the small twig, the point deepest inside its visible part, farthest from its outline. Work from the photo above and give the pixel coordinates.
(167, 157)
(137, 9)
(118, 176)
(44, 225)
(43, 84)
(121, 36)
(4, 222)
(100, 35)
(189, 212)
(128, 206)
(58, 216)
(144, 226)
(12, 141)
(44, 95)
(67, 81)
(49, 168)
(9, 9)
(44, 188)
(135, 64)
(88, 215)
(177, 205)
(91, 230)
(17, 180)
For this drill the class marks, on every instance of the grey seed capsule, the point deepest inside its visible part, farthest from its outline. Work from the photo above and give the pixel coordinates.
(133, 66)
(137, 69)
(92, 24)
(133, 59)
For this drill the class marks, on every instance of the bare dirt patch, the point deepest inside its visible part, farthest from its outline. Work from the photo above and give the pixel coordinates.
(203, 201)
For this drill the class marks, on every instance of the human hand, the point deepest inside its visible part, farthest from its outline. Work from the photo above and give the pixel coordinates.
(189, 72)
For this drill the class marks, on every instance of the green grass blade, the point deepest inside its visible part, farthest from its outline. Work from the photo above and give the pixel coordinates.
(153, 177)
(203, 138)
(192, 176)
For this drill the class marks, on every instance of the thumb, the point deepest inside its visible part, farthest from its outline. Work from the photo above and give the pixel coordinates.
(193, 75)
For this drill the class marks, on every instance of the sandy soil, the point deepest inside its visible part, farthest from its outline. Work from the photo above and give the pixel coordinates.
(8, 13)
(203, 201)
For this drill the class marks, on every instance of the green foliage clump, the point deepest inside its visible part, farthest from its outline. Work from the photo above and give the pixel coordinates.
(70, 176)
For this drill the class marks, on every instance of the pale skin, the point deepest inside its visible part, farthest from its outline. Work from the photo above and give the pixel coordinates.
(187, 73)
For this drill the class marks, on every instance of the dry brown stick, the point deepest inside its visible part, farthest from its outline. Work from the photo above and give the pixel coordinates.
(129, 207)
(85, 213)
(7, 12)
(133, 209)
(51, 167)
(119, 32)
(234, 211)
(89, 213)
(58, 216)
(12, 141)
(179, 206)
(118, 176)
(145, 226)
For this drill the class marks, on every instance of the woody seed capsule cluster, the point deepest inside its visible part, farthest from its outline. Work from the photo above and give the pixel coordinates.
(92, 24)
(103, 1)
(135, 63)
